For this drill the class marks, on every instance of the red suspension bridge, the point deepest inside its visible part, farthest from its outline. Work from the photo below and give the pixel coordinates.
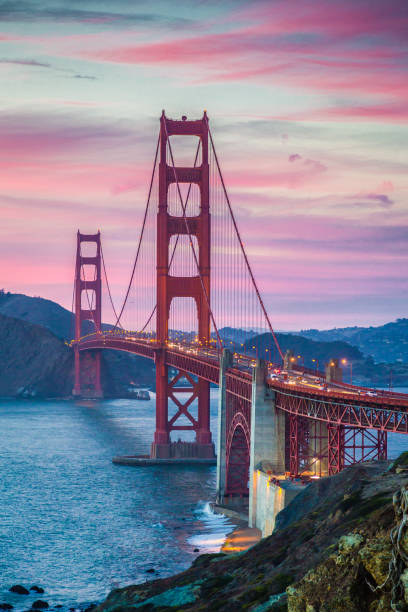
(191, 280)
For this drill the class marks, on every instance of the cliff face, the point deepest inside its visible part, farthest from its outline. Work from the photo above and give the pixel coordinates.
(35, 363)
(367, 572)
(330, 554)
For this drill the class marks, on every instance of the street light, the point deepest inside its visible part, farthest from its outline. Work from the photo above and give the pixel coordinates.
(317, 363)
(345, 362)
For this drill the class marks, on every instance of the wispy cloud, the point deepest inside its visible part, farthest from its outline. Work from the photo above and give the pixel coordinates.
(31, 63)
(48, 11)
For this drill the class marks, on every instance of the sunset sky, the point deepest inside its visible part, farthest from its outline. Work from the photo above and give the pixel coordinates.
(307, 101)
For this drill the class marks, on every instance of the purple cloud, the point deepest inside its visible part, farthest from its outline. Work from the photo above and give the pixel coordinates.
(294, 157)
(381, 198)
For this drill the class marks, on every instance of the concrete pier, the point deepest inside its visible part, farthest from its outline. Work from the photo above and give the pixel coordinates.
(273, 494)
(267, 435)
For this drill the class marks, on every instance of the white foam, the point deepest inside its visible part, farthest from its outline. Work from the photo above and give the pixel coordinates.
(215, 528)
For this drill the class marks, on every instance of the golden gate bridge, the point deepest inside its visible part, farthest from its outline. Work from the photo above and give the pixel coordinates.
(191, 278)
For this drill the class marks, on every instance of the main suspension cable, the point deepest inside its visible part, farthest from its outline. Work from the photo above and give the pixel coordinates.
(141, 235)
(109, 291)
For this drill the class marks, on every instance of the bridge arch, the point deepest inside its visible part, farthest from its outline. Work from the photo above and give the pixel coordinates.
(237, 456)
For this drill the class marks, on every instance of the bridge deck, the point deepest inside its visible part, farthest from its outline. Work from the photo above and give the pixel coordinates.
(308, 397)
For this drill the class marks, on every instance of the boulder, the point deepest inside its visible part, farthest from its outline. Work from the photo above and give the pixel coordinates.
(37, 589)
(17, 588)
(39, 605)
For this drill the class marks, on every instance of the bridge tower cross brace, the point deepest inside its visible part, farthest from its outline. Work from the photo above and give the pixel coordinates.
(93, 312)
(170, 287)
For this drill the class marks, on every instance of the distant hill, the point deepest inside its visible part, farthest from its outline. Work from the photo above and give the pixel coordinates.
(385, 343)
(36, 363)
(307, 349)
(365, 370)
(236, 335)
(38, 310)
(42, 312)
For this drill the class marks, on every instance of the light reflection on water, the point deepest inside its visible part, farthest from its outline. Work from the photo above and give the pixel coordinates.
(78, 525)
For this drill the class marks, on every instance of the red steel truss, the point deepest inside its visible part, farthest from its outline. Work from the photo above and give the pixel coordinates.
(324, 433)
(363, 412)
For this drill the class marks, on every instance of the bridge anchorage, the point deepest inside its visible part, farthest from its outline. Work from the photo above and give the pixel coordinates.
(194, 300)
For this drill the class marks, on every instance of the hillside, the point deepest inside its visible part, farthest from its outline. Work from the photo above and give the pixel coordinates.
(385, 343)
(307, 349)
(39, 311)
(42, 312)
(365, 370)
(36, 363)
(332, 544)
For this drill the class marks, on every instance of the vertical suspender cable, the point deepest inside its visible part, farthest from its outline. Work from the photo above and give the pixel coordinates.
(243, 250)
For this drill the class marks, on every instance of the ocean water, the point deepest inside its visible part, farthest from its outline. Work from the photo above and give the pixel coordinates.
(78, 525)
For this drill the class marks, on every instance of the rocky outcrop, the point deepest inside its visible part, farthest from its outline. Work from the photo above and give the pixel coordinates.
(334, 555)
(368, 572)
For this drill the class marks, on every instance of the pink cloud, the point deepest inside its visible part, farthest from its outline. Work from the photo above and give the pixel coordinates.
(294, 157)
(390, 112)
(385, 187)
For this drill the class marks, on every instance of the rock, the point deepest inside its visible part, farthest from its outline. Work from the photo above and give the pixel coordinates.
(196, 550)
(151, 570)
(376, 555)
(349, 542)
(37, 589)
(39, 605)
(6, 606)
(17, 588)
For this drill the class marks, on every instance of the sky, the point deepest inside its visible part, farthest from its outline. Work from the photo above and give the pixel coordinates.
(307, 102)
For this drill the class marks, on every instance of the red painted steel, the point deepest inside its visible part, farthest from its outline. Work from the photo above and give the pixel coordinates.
(326, 429)
(349, 417)
(92, 384)
(170, 287)
(238, 427)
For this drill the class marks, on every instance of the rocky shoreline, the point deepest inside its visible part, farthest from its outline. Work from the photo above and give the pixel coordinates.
(341, 545)
(29, 598)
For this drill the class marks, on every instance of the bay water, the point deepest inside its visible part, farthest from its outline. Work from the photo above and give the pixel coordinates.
(77, 525)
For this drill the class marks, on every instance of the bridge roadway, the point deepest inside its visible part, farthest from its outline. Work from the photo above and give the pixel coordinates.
(300, 392)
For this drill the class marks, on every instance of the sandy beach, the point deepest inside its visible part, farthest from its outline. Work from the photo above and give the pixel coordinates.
(240, 539)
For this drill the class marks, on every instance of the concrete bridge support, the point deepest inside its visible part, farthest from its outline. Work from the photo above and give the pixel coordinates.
(267, 437)
(225, 363)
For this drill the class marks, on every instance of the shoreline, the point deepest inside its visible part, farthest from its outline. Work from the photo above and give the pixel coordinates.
(241, 539)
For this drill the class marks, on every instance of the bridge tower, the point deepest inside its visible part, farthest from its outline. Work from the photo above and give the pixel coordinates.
(87, 371)
(170, 287)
